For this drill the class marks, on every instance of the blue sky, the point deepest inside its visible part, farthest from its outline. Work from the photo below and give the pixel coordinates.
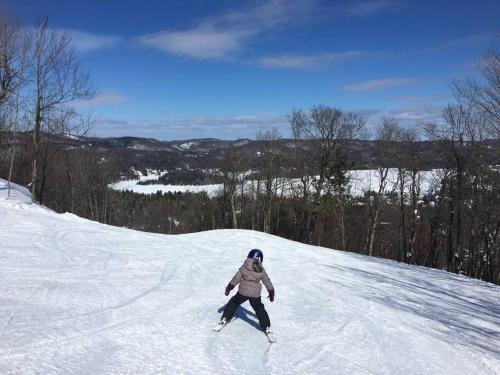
(227, 69)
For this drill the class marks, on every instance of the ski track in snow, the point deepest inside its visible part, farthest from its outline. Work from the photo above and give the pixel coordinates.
(78, 297)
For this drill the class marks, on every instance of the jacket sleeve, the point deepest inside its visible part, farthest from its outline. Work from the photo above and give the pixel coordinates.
(267, 281)
(236, 278)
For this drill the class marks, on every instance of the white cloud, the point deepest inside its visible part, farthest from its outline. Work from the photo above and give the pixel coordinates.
(417, 113)
(106, 98)
(203, 42)
(378, 84)
(306, 62)
(221, 36)
(85, 42)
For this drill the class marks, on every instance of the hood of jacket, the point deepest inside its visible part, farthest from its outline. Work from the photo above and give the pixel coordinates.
(249, 265)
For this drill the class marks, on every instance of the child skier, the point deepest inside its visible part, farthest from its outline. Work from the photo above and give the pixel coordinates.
(249, 276)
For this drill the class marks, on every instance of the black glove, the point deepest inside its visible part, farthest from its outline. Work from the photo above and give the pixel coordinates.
(229, 287)
(271, 295)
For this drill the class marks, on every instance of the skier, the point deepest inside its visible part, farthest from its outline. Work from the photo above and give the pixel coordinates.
(249, 276)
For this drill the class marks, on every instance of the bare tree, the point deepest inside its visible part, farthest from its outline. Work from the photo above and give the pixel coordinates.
(388, 133)
(13, 48)
(270, 165)
(459, 132)
(231, 169)
(14, 118)
(484, 95)
(63, 124)
(56, 80)
(402, 187)
(408, 187)
(476, 117)
(328, 128)
(414, 194)
(340, 188)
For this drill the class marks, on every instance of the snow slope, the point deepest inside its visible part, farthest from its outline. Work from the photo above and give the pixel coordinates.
(19, 195)
(78, 297)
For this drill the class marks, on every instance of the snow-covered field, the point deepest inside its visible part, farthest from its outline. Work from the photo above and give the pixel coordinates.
(133, 185)
(365, 180)
(78, 297)
(361, 181)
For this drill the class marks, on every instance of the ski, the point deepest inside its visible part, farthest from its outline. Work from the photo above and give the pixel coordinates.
(270, 336)
(221, 324)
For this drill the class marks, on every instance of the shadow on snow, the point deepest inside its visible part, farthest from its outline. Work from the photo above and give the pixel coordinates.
(243, 314)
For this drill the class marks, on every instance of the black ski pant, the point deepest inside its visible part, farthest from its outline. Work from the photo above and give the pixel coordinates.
(256, 304)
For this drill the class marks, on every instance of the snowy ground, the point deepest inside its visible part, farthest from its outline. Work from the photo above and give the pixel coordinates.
(361, 182)
(133, 185)
(78, 297)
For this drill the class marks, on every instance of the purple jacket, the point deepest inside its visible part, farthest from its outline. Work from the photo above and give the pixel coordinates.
(249, 277)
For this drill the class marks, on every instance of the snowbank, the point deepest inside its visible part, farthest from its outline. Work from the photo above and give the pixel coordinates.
(18, 193)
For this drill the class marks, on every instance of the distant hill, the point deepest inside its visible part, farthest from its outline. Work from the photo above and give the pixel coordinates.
(141, 153)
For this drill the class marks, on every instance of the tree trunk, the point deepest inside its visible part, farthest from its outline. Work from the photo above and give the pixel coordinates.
(36, 143)
(342, 224)
(372, 232)
(232, 199)
(43, 180)
(459, 202)
(373, 223)
(451, 255)
(402, 228)
(12, 157)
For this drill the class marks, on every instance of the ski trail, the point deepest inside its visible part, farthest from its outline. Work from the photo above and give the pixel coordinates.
(81, 297)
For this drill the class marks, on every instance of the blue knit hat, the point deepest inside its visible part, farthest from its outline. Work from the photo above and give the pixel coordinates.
(256, 254)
